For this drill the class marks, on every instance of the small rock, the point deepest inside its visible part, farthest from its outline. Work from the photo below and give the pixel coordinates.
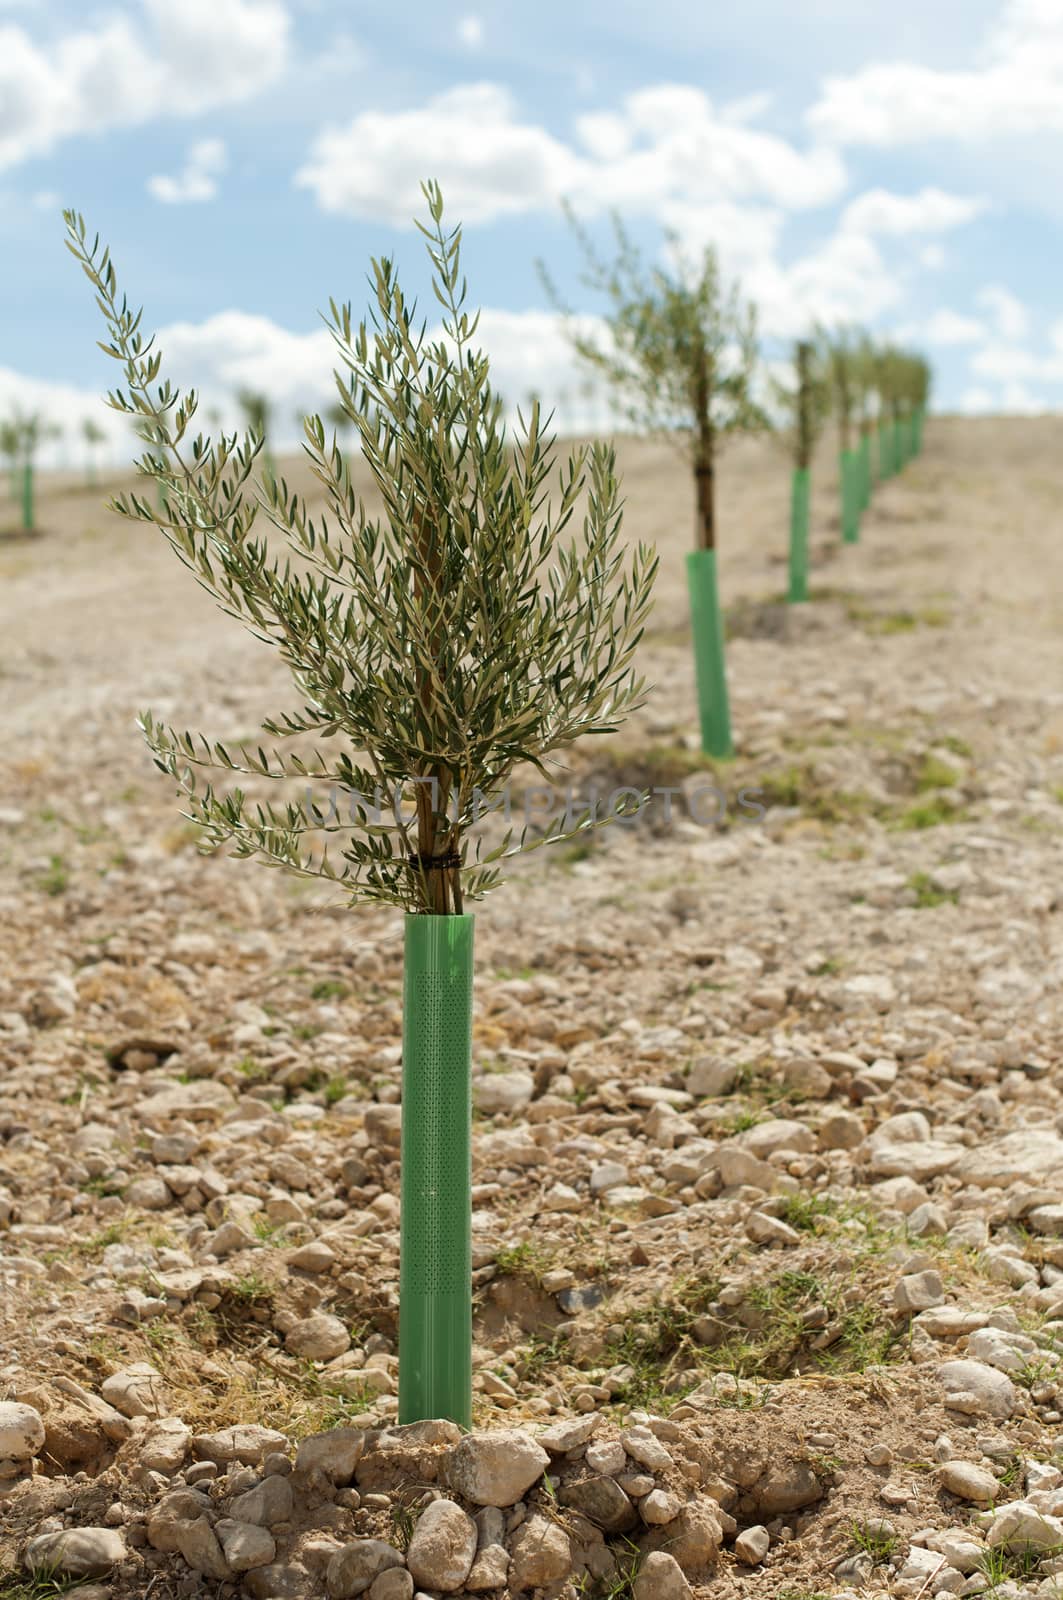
(353, 1568)
(336, 1453)
(164, 1446)
(76, 1552)
(977, 1390)
(268, 1502)
(244, 1545)
(246, 1442)
(540, 1553)
(752, 1545)
(659, 1507)
(394, 1584)
(1019, 1527)
(608, 1175)
(198, 1543)
(764, 1229)
(21, 1437)
(660, 1577)
(496, 1468)
(644, 1447)
(442, 1547)
(919, 1291)
(969, 1482)
(136, 1391)
(321, 1337)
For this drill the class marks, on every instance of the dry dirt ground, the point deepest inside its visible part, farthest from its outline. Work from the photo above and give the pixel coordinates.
(692, 1204)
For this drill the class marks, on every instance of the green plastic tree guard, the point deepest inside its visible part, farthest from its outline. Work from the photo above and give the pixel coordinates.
(865, 471)
(707, 627)
(799, 498)
(885, 452)
(913, 436)
(900, 457)
(435, 1258)
(27, 497)
(852, 493)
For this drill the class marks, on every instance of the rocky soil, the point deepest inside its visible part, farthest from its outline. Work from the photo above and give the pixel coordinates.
(769, 1136)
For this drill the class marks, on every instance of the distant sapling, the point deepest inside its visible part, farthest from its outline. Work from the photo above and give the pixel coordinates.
(681, 358)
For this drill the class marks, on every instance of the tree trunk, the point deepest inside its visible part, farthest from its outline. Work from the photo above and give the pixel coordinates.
(705, 457)
(437, 844)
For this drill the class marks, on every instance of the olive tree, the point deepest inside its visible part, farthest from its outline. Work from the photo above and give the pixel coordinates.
(843, 366)
(804, 399)
(680, 356)
(487, 616)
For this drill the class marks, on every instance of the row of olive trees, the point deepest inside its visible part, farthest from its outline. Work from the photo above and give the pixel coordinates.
(681, 357)
(488, 616)
(21, 436)
(867, 388)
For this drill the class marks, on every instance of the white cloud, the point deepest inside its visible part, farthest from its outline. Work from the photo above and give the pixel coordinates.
(665, 146)
(198, 179)
(843, 280)
(930, 211)
(977, 400)
(188, 57)
(1015, 88)
(932, 256)
(949, 328)
(488, 163)
(1008, 312)
(471, 31)
(67, 406)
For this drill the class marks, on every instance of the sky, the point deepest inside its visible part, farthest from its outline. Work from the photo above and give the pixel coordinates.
(892, 167)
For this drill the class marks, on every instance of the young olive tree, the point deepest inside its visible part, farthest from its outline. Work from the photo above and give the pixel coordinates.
(22, 436)
(805, 403)
(10, 450)
(484, 619)
(843, 364)
(93, 436)
(681, 360)
(258, 416)
(865, 401)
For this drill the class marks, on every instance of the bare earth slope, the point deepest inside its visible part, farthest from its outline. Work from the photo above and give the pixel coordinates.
(770, 1122)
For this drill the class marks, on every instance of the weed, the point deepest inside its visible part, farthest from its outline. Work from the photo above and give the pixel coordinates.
(873, 1539)
(525, 1259)
(250, 1288)
(39, 1585)
(933, 773)
(330, 989)
(56, 880)
(403, 1523)
(927, 896)
(930, 813)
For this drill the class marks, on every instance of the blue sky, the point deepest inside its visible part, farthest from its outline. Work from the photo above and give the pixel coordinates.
(895, 167)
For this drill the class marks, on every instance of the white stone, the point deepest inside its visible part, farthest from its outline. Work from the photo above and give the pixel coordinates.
(21, 1437)
(1019, 1526)
(321, 1337)
(136, 1391)
(977, 1390)
(752, 1545)
(969, 1482)
(244, 1545)
(660, 1577)
(76, 1552)
(659, 1507)
(442, 1547)
(496, 1468)
(499, 1092)
(918, 1291)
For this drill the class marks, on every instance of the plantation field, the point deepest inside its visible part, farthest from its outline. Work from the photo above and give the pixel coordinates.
(770, 1111)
